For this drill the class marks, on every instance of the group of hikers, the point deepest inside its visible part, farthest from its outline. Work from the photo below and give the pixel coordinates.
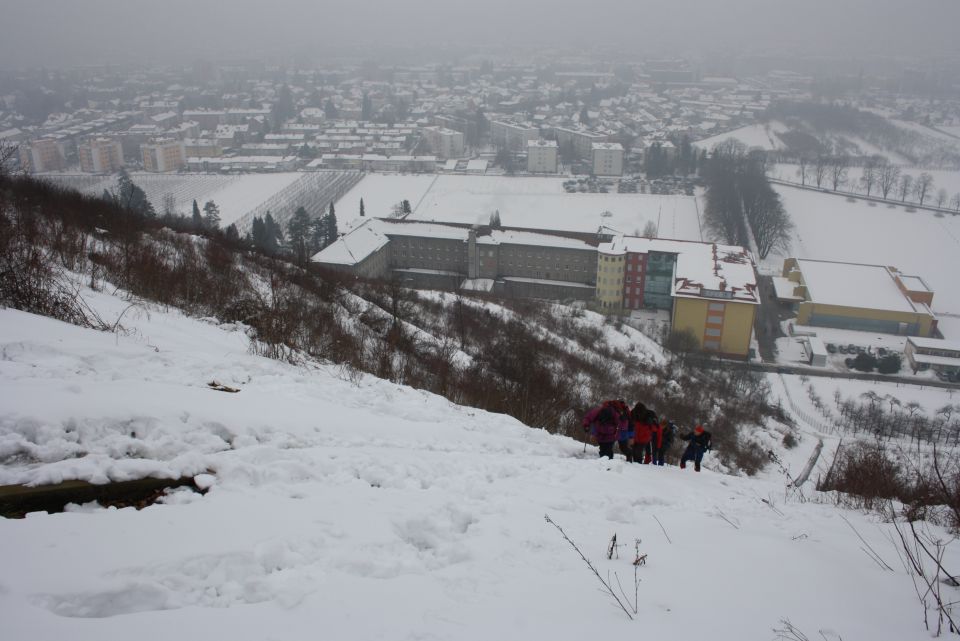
(642, 436)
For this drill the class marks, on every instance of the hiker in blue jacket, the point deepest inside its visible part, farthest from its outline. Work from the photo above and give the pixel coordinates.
(699, 443)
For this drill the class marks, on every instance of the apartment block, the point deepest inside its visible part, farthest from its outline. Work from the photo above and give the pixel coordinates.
(45, 154)
(100, 155)
(511, 135)
(163, 155)
(607, 159)
(444, 143)
(580, 140)
(542, 156)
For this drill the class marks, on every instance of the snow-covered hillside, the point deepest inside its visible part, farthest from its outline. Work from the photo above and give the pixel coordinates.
(344, 509)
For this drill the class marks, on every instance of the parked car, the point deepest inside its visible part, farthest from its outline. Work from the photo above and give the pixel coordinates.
(831, 348)
(853, 349)
(842, 349)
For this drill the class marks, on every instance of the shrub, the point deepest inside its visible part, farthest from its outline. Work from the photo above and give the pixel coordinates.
(789, 440)
(889, 364)
(865, 362)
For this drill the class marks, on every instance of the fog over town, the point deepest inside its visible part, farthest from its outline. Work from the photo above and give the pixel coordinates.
(479, 320)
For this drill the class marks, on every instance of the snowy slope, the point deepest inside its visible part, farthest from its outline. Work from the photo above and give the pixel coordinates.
(372, 511)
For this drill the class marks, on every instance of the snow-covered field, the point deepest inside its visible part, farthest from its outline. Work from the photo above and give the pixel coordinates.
(828, 227)
(763, 135)
(539, 203)
(238, 197)
(942, 178)
(367, 510)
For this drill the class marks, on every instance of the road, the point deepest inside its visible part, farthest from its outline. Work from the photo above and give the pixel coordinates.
(772, 368)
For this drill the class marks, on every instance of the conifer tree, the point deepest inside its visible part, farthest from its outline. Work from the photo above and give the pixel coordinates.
(211, 215)
(362, 213)
(298, 231)
(197, 218)
(332, 231)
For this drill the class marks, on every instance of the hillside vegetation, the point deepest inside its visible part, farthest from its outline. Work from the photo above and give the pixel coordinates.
(542, 363)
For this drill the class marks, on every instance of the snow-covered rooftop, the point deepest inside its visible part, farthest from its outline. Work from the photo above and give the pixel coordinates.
(854, 285)
(354, 247)
(513, 237)
(934, 343)
(703, 270)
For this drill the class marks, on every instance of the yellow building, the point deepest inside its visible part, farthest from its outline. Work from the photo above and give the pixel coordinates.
(611, 259)
(710, 290)
(871, 298)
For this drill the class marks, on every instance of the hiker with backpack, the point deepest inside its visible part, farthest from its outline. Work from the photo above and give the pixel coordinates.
(603, 423)
(699, 444)
(663, 437)
(643, 421)
(625, 436)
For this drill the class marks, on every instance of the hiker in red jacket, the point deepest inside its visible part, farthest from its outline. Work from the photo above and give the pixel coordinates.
(643, 421)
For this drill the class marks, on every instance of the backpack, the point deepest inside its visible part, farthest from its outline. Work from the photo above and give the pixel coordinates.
(607, 425)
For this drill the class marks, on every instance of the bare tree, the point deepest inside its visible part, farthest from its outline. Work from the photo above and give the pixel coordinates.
(771, 225)
(8, 152)
(955, 202)
(649, 230)
(838, 171)
(941, 197)
(820, 166)
(888, 177)
(804, 168)
(906, 180)
(870, 174)
(923, 186)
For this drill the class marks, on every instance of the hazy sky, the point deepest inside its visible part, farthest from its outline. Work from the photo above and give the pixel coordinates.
(64, 32)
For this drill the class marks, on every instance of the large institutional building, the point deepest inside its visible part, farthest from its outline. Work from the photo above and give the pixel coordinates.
(710, 290)
(872, 298)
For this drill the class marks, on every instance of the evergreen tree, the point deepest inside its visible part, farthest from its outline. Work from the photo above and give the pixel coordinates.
(495, 219)
(131, 197)
(366, 109)
(406, 207)
(211, 215)
(298, 231)
(283, 109)
(330, 110)
(318, 234)
(274, 234)
(258, 233)
(332, 231)
(362, 213)
(232, 234)
(197, 218)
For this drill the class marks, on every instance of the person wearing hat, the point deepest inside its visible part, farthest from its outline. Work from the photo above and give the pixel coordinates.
(699, 443)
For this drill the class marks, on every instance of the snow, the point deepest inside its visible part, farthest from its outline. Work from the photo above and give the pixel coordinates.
(380, 192)
(367, 510)
(527, 202)
(763, 135)
(948, 180)
(828, 227)
(844, 284)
